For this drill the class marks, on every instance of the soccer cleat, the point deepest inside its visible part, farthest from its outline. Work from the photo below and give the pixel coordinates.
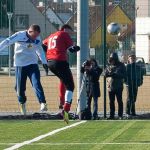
(43, 107)
(23, 109)
(66, 116)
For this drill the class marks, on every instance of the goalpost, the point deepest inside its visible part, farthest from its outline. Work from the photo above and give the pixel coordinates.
(83, 42)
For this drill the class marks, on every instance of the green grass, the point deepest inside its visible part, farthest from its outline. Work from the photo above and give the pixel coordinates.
(121, 135)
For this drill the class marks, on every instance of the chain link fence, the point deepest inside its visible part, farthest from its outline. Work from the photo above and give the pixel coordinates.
(50, 15)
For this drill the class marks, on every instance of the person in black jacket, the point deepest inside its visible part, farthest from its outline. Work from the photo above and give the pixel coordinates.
(115, 74)
(93, 72)
(133, 81)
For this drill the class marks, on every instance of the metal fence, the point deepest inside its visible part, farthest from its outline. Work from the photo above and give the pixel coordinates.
(50, 15)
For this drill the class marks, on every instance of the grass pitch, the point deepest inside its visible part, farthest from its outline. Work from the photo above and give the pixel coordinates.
(92, 135)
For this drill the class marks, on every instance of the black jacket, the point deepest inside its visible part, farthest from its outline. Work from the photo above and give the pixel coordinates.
(134, 75)
(116, 75)
(92, 84)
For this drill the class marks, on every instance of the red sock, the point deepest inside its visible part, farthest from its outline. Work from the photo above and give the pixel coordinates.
(67, 107)
(62, 90)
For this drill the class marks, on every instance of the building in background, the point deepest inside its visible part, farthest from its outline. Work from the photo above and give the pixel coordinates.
(143, 29)
(5, 7)
(26, 14)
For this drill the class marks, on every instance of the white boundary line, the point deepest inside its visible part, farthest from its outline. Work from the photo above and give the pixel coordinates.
(18, 145)
(57, 144)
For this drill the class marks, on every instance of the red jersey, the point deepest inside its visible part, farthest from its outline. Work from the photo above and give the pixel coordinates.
(57, 44)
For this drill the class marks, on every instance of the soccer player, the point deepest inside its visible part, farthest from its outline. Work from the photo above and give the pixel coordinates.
(58, 44)
(27, 50)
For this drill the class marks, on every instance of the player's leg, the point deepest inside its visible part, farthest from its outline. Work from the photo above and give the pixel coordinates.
(89, 100)
(62, 71)
(20, 87)
(120, 103)
(34, 76)
(62, 90)
(135, 91)
(128, 101)
(67, 79)
(54, 67)
(112, 104)
(95, 108)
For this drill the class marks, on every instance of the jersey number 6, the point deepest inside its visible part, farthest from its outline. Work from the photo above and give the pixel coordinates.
(52, 42)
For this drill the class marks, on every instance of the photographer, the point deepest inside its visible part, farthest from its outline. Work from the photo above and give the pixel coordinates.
(116, 73)
(133, 81)
(93, 72)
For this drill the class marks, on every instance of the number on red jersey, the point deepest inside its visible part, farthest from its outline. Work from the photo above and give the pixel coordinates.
(52, 42)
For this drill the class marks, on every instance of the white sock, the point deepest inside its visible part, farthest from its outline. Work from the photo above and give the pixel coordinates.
(68, 96)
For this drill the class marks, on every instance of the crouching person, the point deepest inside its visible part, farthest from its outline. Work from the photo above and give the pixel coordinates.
(133, 81)
(93, 72)
(115, 74)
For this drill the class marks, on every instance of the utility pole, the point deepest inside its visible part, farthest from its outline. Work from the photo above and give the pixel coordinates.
(9, 18)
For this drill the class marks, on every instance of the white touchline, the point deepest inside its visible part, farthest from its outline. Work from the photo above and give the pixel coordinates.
(58, 144)
(43, 136)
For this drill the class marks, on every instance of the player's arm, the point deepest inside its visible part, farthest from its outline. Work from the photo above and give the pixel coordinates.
(69, 43)
(9, 41)
(74, 49)
(41, 54)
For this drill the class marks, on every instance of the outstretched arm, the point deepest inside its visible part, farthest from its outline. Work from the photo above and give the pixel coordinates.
(9, 41)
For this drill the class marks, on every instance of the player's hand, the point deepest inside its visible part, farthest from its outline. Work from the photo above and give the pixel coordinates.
(45, 68)
(74, 49)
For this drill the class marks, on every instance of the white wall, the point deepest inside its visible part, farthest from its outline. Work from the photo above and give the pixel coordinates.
(143, 25)
(142, 38)
(142, 47)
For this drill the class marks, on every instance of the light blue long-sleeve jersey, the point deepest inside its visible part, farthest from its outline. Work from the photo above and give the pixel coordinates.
(26, 51)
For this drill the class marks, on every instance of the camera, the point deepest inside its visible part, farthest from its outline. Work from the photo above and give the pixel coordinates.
(87, 63)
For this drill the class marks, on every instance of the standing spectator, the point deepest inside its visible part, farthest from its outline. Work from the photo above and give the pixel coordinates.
(115, 73)
(133, 81)
(93, 72)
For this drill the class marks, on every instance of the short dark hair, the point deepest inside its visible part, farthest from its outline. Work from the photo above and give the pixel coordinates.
(94, 60)
(66, 26)
(35, 27)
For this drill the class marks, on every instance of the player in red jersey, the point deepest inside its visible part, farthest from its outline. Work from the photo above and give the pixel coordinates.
(58, 44)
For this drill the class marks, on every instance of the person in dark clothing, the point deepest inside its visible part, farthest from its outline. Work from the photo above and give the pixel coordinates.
(93, 72)
(133, 80)
(115, 74)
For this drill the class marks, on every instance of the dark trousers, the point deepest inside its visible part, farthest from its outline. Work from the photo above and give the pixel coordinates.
(31, 71)
(131, 99)
(118, 95)
(95, 105)
(62, 71)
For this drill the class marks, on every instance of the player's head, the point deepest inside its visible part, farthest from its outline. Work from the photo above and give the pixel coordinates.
(132, 58)
(113, 58)
(66, 28)
(93, 62)
(34, 31)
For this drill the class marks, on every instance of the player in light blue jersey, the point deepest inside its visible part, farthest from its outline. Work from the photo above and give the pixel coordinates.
(26, 53)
